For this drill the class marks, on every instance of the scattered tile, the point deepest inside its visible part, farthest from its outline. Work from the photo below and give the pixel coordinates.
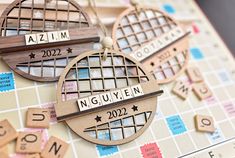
(29, 142)
(194, 74)
(4, 152)
(33, 156)
(204, 123)
(202, 91)
(181, 89)
(55, 148)
(7, 132)
(38, 118)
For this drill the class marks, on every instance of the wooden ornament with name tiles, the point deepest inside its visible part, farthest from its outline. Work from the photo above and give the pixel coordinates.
(106, 102)
(39, 38)
(153, 38)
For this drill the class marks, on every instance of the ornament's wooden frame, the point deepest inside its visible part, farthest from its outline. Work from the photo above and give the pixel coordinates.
(68, 111)
(184, 41)
(16, 51)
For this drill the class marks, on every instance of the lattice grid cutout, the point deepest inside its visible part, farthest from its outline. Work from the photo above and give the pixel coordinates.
(87, 76)
(37, 16)
(135, 29)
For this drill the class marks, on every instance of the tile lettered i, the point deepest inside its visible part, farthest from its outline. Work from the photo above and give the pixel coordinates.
(194, 74)
(4, 152)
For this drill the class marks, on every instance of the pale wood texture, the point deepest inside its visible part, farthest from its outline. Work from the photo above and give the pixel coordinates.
(38, 118)
(33, 156)
(55, 148)
(204, 123)
(29, 142)
(194, 74)
(182, 89)
(202, 91)
(7, 133)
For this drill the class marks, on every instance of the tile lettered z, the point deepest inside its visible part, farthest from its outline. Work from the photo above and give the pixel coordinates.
(29, 142)
(181, 89)
(38, 118)
(7, 133)
(55, 148)
(204, 123)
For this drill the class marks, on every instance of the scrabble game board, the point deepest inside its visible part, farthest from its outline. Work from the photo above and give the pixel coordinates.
(172, 132)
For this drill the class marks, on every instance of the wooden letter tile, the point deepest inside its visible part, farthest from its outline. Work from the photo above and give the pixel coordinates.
(7, 133)
(4, 152)
(181, 89)
(64, 35)
(42, 38)
(38, 118)
(194, 74)
(204, 123)
(31, 39)
(55, 148)
(202, 91)
(29, 142)
(53, 36)
(33, 156)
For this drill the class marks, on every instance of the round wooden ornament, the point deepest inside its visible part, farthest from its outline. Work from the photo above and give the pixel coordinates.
(106, 101)
(153, 38)
(40, 37)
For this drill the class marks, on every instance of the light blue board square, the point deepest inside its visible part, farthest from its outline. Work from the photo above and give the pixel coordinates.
(169, 8)
(106, 150)
(196, 53)
(7, 82)
(176, 124)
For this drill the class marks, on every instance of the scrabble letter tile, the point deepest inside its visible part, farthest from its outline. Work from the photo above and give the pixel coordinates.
(95, 101)
(38, 118)
(106, 98)
(83, 104)
(204, 123)
(137, 90)
(33, 156)
(7, 133)
(127, 93)
(64, 35)
(42, 38)
(53, 36)
(29, 142)
(55, 148)
(194, 74)
(116, 95)
(181, 89)
(202, 91)
(31, 39)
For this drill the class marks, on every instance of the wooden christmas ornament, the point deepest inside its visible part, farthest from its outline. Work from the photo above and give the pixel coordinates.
(109, 100)
(153, 38)
(39, 38)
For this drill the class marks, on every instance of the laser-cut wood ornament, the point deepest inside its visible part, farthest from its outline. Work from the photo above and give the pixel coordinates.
(106, 102)
(153, 38)
(40, 37)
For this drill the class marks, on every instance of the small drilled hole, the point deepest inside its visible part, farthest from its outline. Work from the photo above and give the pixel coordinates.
(152, 63)
(175, 49)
